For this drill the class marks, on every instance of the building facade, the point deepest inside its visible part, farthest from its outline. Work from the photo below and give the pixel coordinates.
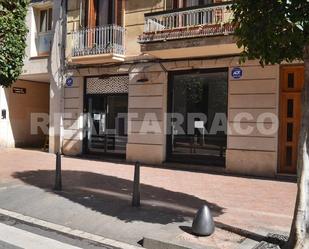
(172, 68)
(160, 81)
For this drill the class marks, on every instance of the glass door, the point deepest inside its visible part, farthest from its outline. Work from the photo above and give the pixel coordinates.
(97, 124)
(116, 132)
(107, 124)
(198, 122)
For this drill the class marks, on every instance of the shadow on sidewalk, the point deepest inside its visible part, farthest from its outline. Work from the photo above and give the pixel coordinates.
(112, 196)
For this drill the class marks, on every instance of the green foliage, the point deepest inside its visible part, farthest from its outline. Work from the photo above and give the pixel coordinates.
(272, 31)
(13, 33)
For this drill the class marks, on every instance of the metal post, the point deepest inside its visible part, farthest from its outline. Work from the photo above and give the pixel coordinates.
(58, 180)
(136, 198)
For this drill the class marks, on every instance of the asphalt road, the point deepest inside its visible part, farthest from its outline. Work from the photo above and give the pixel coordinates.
(15, 234)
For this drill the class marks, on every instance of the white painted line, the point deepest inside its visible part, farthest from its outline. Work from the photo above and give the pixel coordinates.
(67, 230)
(25, 239)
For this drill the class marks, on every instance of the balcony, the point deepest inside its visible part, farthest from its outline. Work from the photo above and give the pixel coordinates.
(98, 45)
(183, 32)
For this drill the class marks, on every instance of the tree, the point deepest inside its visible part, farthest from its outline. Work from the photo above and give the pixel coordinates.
(275, 31)
(13, 33)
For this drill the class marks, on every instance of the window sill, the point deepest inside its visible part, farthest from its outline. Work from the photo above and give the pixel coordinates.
(37, 57)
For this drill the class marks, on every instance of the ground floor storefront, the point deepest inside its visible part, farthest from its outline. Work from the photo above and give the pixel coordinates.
(207, 112)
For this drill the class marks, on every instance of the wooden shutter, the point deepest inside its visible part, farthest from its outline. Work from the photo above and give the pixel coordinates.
(92, 13)
(175, 4)
(118, 10)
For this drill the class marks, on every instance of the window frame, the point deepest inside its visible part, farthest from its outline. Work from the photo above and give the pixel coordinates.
(49, 20)
(90, 13)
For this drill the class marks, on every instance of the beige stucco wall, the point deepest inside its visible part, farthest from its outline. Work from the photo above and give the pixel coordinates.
(17, 127)
(257, 92)
(73, 118)
(148, 103)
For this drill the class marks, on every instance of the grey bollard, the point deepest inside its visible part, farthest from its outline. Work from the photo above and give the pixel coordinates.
(203, 223)
(58, 180)
(136, 199)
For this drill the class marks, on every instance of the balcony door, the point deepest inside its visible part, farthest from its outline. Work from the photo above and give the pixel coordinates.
(100, 13)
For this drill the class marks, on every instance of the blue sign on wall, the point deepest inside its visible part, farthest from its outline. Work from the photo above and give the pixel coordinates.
(69, 81)
(237, 73)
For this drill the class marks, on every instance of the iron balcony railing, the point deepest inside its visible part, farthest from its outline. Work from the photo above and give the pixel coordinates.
(99, 40)
(213, 19)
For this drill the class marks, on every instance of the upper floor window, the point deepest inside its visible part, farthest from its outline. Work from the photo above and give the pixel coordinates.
(46, 20)
(101, 12)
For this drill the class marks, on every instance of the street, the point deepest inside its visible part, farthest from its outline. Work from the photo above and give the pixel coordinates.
(15, 234)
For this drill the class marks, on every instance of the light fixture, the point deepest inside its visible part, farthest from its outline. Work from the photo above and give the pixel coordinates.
(143, 79)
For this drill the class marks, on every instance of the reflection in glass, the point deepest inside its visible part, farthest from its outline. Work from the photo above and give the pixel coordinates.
(290, 109)
(202, 100)
(291, 80)
(106, 123)
(289, 156)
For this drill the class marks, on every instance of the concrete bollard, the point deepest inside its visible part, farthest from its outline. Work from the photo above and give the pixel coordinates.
(136, 197)
(203, 223)
(58, 178)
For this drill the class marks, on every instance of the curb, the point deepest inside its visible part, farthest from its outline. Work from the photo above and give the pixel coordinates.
(67, 230)
(159, 243)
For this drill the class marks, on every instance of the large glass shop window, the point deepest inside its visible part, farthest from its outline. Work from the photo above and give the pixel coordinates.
(198, 127)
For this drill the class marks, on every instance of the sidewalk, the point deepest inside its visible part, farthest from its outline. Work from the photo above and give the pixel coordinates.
(96, 199)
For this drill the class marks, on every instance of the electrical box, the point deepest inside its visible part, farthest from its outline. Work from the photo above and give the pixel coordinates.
(3, 114)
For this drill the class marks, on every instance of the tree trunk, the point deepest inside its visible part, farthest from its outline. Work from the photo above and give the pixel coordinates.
(299, 236)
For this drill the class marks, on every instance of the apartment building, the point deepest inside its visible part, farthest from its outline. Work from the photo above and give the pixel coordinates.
(160, 81)
(30, 94)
